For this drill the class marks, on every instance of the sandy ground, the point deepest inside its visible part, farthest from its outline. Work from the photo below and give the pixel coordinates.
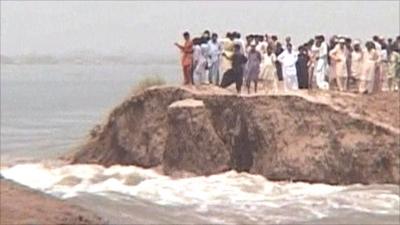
(382, 107)
(21, 205)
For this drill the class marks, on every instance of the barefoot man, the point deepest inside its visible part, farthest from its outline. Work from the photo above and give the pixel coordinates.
(186, 60)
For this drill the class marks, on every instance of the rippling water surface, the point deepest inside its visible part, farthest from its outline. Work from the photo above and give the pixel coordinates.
(46, 110)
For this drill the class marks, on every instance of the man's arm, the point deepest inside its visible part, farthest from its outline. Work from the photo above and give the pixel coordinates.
(179, 46)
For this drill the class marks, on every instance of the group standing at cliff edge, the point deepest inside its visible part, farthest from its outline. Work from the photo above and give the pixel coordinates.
(342, 63)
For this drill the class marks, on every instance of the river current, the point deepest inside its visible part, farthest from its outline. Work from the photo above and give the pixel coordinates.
(47, 110)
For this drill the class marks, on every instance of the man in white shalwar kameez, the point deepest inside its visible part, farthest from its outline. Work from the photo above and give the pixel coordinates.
(339, 56)
(214, 56)
(227, 49)
(321, 65)
(200, 71)
(196, 58)
(288, 59)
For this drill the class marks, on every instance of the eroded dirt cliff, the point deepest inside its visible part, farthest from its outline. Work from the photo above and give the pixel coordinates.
(308, 136)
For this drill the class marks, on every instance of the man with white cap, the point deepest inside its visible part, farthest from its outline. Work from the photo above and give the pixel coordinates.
(338, 55)
(356, 62)
(200, 71)
(370, 58)
(288, 59)
(321, 65)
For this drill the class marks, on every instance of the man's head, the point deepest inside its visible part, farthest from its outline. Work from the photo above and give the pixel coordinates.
(357, 45)
(214, 37)
(300, 48)
(369, 45)
(274, 38)
(342, 42)
(253, 45)
(248, 38)
(260, 38)
(237, 48)
(318, 40)
(269, 49)
(382, 39)
(196, 41)
(236, 35)
(289, 47)
(375, 38)
(251, 37)
(186, 36)
(278, 45)
(206, 34)
(266, 37)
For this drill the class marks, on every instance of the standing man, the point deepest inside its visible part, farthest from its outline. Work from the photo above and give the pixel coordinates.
(187, 58)
(288, 59)
(227, 49)
(349, 50)
(394, 69)
(338, 55)
(253, 67)
(200, 63)
(384, 64)
(321, 66)
(356, 62)
(235, 75)
(369, 68)
(311, 62)
(268, 71)
(378, 72)
(214, 53)
(302, 67)
(278, 65)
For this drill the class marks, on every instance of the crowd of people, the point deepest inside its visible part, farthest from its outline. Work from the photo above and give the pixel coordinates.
(338, 63)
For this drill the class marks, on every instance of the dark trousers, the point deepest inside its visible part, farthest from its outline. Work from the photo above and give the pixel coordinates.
(233, 76)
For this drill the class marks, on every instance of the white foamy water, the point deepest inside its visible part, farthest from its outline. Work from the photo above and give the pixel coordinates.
(227, 197)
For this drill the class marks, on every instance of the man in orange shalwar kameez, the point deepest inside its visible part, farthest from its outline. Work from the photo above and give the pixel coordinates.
(187, 58)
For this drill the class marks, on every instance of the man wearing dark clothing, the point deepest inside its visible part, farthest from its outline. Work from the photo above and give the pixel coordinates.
(278, 65)
(235, 74)
(302, 68)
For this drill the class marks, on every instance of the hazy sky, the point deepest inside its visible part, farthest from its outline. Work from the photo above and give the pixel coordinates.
(153, 27)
